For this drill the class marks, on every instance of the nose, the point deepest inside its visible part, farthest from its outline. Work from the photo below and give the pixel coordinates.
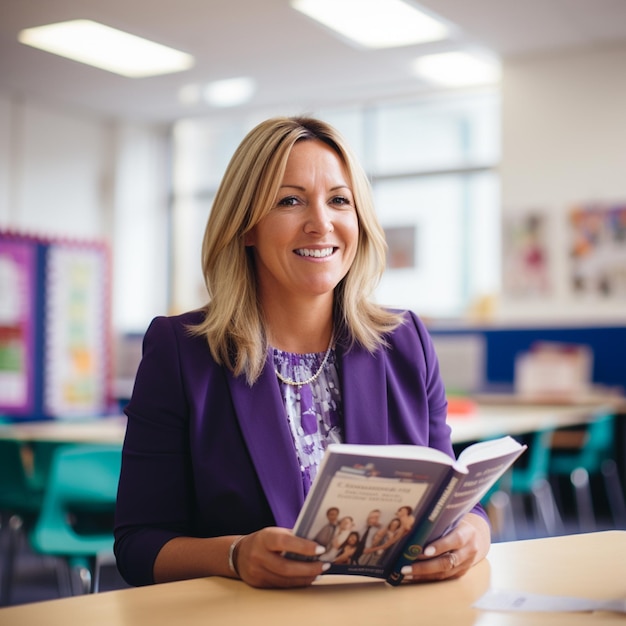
(318, 219)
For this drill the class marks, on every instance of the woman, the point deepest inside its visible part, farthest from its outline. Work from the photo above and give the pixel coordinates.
(234, 404)
(344, 528)
(347, 549)
(406, 517)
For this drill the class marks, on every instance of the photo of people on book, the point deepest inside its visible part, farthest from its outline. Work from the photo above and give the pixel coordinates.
(363, 515)
(366, 542)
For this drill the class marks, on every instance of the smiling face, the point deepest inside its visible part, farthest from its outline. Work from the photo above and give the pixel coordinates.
(306, 244)
(353, 539)
(332, 515)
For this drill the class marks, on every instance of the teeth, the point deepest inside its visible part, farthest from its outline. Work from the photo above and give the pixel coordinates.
(315, 253)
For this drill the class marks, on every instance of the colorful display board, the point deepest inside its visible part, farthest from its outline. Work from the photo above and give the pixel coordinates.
(55, 334)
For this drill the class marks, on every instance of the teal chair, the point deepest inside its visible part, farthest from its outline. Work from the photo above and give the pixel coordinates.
(526, 483)
(76, 519)
(18, 493)
(20, 502)
(42, 454)
(586, 452)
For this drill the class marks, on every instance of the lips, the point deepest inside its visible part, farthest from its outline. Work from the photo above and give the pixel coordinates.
(318, 253)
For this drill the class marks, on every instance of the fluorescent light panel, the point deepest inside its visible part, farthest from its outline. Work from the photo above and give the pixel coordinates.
(107, 48)
(229, 92)
(374, 23)
(457, 69)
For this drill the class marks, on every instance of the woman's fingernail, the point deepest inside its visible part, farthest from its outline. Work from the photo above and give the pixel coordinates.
(319, 550)
(429, 551)
(325, 566)
(406, 570)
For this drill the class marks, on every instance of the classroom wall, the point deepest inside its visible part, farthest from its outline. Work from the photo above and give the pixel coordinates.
(483, 358)
(54, 162)
(5, 158)
(563, 133)
(141, 201)
(68, 174)
(563, 138)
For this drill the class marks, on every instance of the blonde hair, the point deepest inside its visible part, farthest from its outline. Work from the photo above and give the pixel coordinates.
(233, 324)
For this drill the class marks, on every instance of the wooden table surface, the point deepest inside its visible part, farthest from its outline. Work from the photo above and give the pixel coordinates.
(588, 565)
(486, 420)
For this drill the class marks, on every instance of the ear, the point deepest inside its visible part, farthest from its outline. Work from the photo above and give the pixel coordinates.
(249, 238)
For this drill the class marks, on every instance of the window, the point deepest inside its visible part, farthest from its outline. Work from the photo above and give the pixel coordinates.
(432, 164)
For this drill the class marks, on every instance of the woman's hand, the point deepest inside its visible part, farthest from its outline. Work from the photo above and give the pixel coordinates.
(260, 559)
(454, 554)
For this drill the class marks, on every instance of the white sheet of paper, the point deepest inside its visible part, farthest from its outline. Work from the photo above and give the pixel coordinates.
(507, 600)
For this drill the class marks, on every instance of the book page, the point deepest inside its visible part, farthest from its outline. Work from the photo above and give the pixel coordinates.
(489, 449)
(472, 486)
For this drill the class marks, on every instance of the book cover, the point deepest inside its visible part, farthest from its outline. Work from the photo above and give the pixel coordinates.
(374, 508)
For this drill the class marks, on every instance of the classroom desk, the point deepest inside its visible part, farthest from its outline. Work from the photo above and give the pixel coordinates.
(490, 420)
(589, 566)
(109, 429)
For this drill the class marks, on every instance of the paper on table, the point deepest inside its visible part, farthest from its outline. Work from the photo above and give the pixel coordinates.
(506, 600)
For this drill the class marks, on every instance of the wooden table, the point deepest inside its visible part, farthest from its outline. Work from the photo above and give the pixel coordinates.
(590, 566)
(487, 420)
(491, 420)
(110, 429)
(38, 440)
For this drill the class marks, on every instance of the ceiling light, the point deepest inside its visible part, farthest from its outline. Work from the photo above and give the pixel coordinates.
(106, 48)
(190, 94)
(374, 23)
(229, 92)
(457, 69)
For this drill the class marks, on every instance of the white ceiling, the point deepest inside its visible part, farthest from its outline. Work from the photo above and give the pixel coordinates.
(296, 63)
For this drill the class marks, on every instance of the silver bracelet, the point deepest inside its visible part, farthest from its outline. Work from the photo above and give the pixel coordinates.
(231, 556)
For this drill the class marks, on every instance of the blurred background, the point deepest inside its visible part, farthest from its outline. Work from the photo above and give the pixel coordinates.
(482, 178)
(499, 182)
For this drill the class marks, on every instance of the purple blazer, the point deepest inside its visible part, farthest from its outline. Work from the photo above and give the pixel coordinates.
(207, 455)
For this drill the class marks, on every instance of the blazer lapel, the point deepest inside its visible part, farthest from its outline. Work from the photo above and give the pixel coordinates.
(261, 414)
(364, 394)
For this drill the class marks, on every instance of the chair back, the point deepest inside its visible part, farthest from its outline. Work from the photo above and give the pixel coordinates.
(17, 495)
(524, 478)
(42, 455)
(599, 444)
(83, 480)
(597, 447)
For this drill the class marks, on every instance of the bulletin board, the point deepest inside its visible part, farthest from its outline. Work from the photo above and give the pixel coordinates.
(76, 376)
(55, 337)
(18, 279)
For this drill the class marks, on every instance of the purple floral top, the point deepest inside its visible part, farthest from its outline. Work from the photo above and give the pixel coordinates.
(313, 411)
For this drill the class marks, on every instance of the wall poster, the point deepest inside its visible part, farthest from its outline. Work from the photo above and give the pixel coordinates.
(598, 250)
(17, 325)
(76, 367)
(400, 246)
(526, 255)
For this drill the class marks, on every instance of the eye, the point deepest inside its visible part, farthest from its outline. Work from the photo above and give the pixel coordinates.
(341, 201)
(288, 201)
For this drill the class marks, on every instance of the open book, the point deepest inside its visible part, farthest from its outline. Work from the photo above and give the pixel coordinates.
(376, 507)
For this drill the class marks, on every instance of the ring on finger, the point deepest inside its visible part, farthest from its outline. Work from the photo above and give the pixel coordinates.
(452, 559)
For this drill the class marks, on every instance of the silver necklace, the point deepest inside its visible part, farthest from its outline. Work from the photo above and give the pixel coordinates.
(311, 379)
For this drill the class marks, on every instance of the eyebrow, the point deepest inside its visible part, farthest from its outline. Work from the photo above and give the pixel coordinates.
(299, 187)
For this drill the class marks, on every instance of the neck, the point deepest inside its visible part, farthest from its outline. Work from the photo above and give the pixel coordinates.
(303, 340)
(300, 329)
